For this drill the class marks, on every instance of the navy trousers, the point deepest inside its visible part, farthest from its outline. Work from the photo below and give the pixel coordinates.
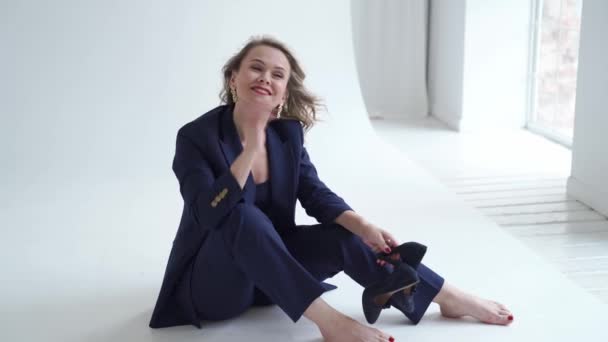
(247, 262)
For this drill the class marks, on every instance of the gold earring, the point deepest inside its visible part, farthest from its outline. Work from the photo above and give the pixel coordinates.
(279, 111)
(234, 96)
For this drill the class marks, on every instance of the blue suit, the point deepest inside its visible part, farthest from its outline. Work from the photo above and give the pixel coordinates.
(228, 254)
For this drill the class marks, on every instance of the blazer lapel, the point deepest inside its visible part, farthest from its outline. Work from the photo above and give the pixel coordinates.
(280, 161)
(231, 148)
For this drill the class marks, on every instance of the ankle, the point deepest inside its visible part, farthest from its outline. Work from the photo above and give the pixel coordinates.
(445, 295)
(321, 313)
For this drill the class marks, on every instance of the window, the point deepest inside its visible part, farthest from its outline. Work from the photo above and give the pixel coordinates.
(556, 32)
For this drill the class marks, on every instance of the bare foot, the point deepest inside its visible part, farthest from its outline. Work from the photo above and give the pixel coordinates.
(457, 304)
(346, 329)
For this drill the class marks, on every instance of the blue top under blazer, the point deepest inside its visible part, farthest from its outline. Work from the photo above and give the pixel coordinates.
(205, 149)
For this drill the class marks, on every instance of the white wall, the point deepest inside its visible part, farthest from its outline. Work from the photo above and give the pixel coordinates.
(390, 48)
(478, 63)
(94, 92)
(496, 49)
(589, 179)
(446, 60)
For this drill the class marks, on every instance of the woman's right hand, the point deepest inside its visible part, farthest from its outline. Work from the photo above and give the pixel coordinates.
(256, 116)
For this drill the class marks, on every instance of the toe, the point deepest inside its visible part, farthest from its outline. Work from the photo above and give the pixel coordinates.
(496, 318)
(505, 319)
(502, 306)
(499, 319)
(384, 337)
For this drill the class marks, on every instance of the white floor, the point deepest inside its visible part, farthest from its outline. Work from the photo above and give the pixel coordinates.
(518, 180)
(87, 265)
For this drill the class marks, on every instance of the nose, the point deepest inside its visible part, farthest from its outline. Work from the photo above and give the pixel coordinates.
(264, 78)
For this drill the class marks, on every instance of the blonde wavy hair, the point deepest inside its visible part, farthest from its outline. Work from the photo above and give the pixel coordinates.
(301, 104)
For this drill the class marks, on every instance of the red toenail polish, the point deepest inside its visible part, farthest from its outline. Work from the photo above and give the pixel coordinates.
(387, 250)
(510, 317)
(391, 339)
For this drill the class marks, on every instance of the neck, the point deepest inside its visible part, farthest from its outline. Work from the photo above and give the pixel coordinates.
(239, 114)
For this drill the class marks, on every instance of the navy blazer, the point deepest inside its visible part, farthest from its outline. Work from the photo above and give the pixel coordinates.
(205, 149)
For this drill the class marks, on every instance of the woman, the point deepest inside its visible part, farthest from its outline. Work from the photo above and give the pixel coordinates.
(241, 167)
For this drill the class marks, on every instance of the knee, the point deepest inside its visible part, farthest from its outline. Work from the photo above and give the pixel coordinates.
(345, 237)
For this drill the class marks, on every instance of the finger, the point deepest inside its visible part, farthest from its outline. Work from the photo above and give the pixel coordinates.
(391, 240)
(389, 243)
(392, 243)
(386, 248)
(382, 247)
(372, 246)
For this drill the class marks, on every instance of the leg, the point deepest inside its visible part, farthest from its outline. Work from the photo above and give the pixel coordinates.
(241, 250)
(245, 253)
(220, 289)
(326, 250)
(337, 249)
(428, 288)
(337, 327)
(455, 303)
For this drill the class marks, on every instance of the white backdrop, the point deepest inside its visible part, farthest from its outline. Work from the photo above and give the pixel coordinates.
(390, 39)
(94, 91)
(94, 94)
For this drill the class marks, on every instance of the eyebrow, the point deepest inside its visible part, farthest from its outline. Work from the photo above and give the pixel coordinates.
(261, 61)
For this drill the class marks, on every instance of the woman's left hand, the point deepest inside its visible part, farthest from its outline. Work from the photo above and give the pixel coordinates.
(379, 240)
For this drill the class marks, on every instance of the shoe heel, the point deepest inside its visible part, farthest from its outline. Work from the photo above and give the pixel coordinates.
(385, 297)
(376, 296)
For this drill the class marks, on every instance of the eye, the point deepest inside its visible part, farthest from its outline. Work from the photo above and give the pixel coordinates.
(256, 67)
(278, 75)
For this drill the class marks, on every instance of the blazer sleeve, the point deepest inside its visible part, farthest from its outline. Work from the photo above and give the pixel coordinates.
(316, 198)
(209, 198)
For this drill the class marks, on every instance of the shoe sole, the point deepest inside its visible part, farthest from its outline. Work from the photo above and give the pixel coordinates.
(380, 300)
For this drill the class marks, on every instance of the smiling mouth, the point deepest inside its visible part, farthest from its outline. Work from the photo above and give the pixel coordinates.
(260, 91)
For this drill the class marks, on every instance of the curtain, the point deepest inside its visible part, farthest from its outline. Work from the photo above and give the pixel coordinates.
(390, 43)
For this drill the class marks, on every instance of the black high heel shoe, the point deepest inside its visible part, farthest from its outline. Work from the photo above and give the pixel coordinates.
(411, 253)
(376, 297)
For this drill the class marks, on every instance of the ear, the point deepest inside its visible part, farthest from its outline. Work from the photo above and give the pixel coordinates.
(232, 76)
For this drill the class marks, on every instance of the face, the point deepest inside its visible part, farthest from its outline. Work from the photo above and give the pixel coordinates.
(262, 76)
